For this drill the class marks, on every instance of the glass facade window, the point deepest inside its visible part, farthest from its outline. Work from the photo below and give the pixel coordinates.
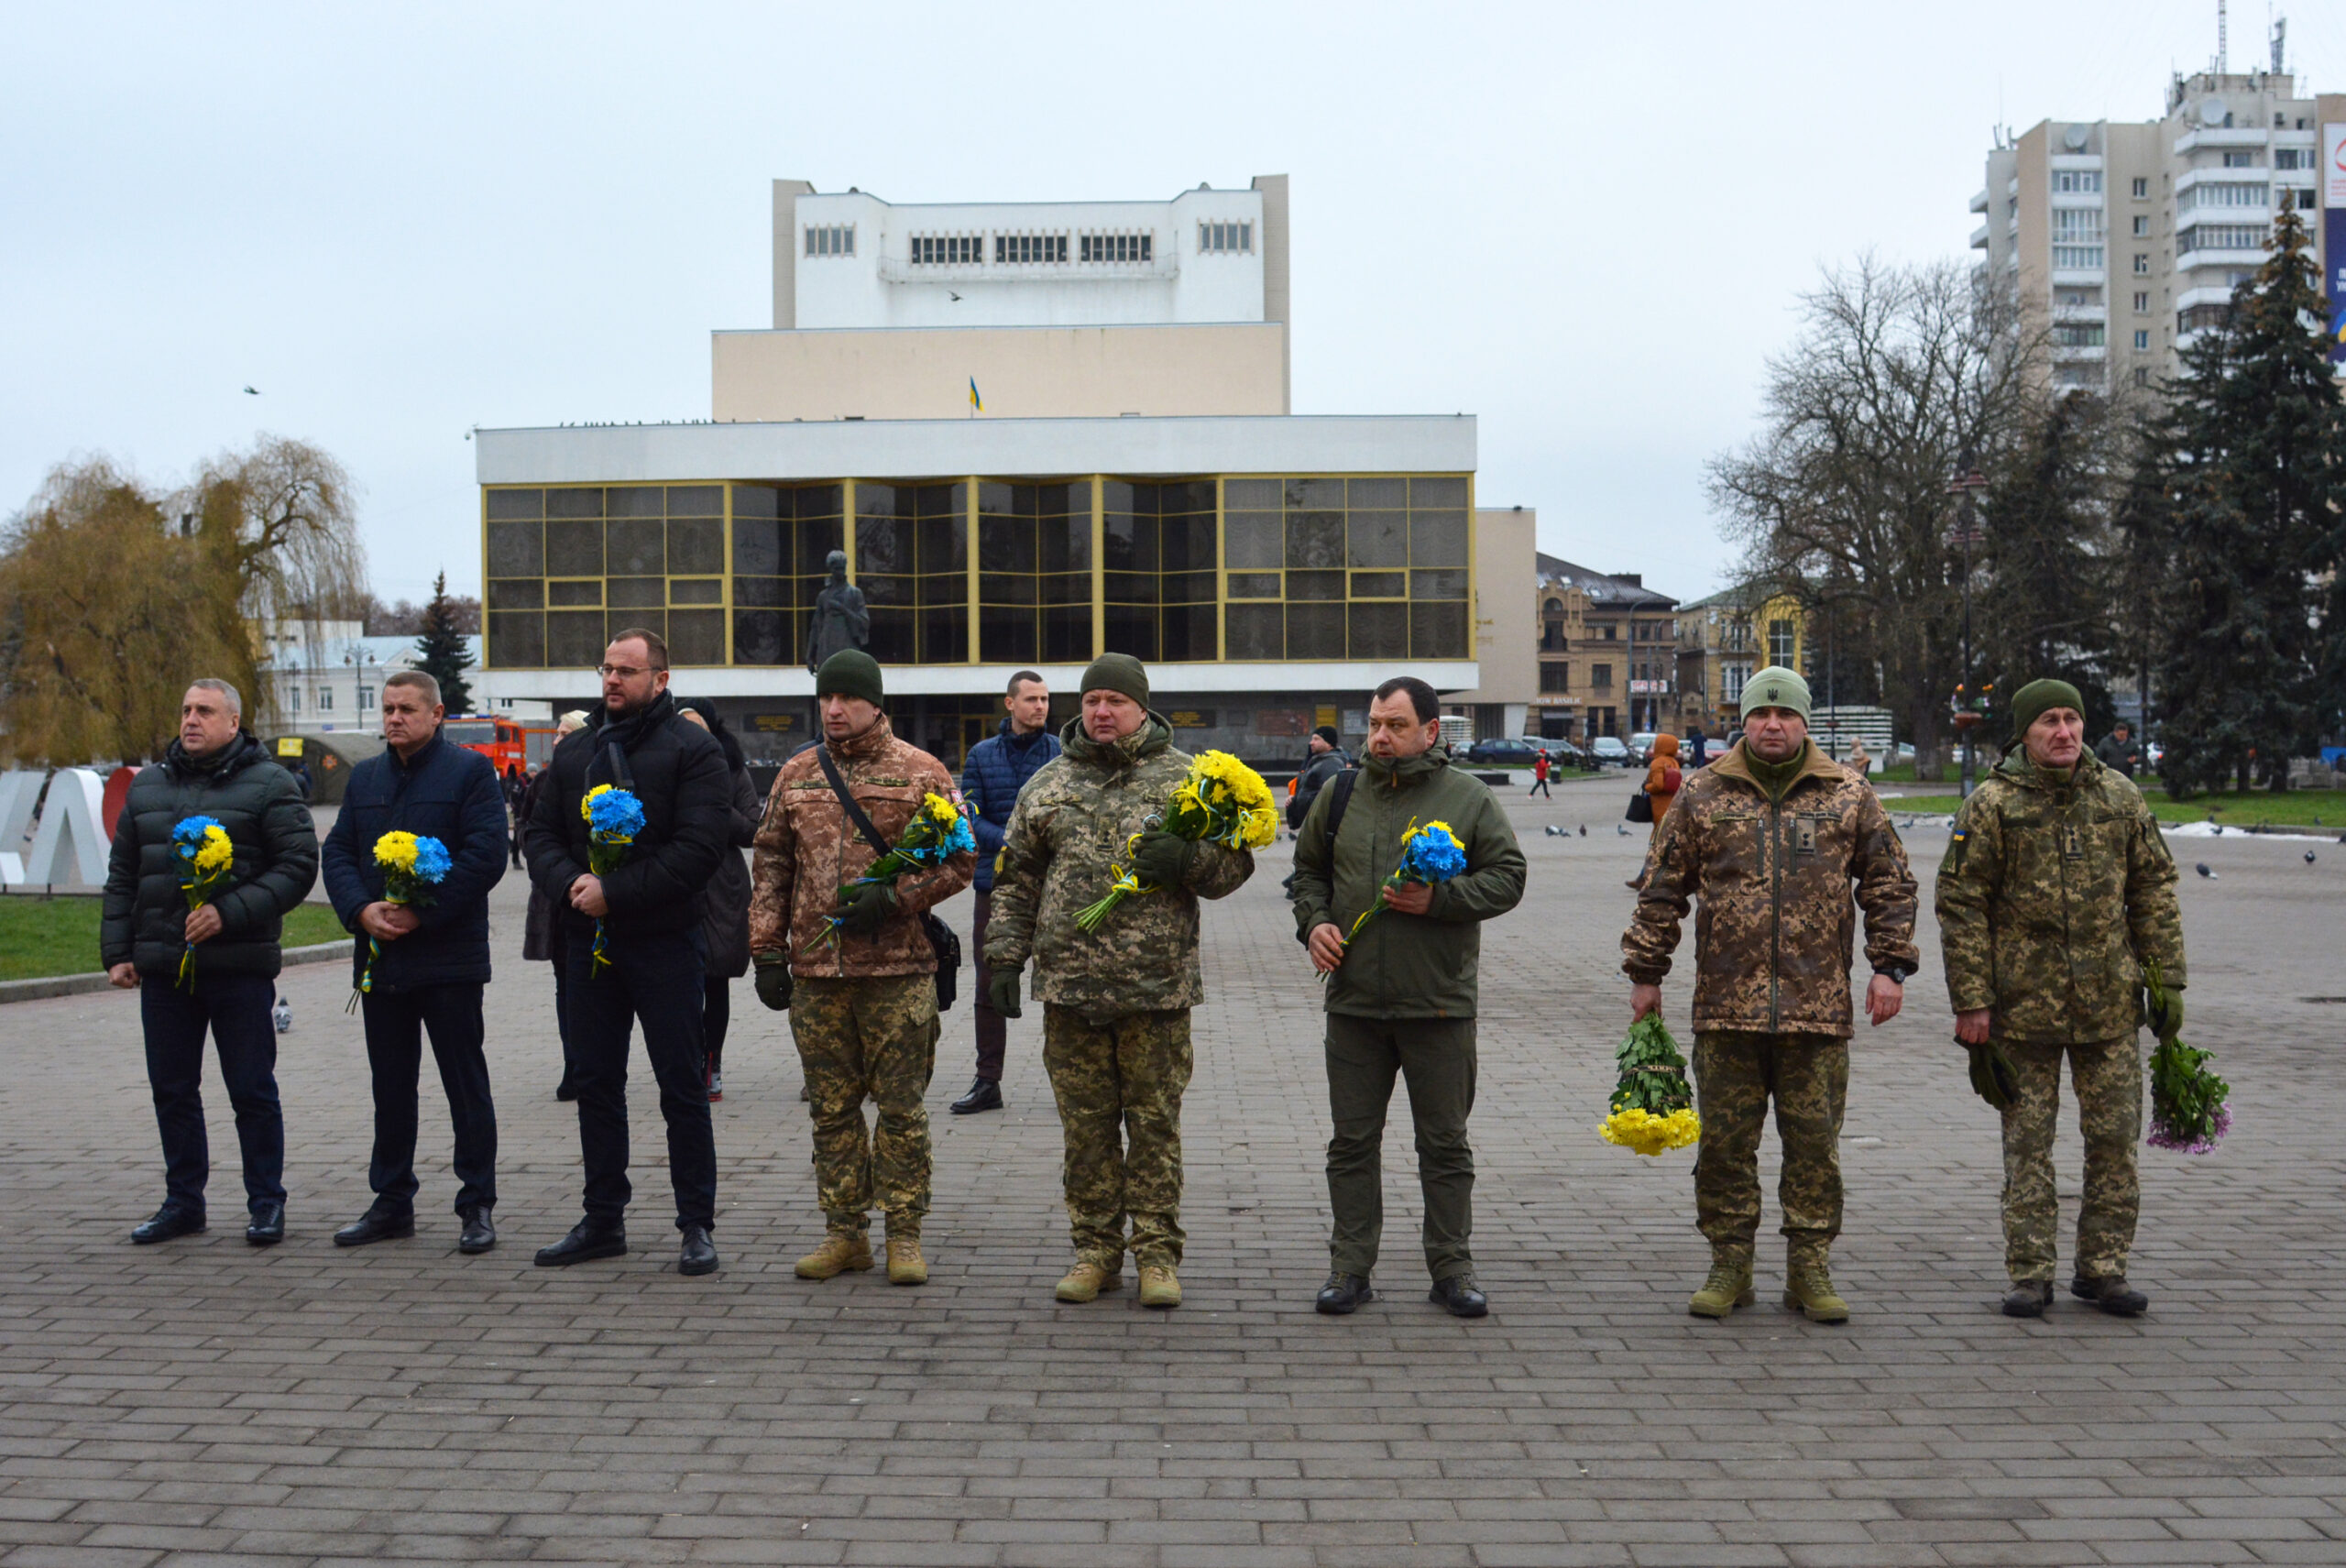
(1226, 239)
(947, 249)
(1029, 249)
(1117, 247)
(830, 239)
(988, 570)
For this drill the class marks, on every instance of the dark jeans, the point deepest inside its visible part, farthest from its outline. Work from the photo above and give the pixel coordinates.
(235, 1007)
(561, 944)
(1437, 1057)
(396, 1024)
(656, 977)
(993, 1030)
(1539, 787)
(716, 1013)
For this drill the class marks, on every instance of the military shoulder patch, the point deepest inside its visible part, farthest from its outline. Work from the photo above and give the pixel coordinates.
(1957, 841)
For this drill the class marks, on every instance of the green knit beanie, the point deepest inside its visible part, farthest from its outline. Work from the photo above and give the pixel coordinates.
(1776, 686)
(1118, 672)
(2030, 703)
(850, 672)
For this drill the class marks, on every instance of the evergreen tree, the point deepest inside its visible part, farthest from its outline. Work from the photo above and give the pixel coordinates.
(441, 651)
(2042, 607)
(2257, 480)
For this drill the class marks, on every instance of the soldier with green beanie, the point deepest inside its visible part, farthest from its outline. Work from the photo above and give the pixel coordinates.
(853, 964)
(2056, 891)
(1771, 838)
(1115, 1000)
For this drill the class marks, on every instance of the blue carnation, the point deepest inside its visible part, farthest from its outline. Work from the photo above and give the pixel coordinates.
(191, 830)
(1434, 856)
(616, 811)
(961, 838)
(431, 859)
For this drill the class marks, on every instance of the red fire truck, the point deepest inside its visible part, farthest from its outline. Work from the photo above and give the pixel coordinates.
(508, 744)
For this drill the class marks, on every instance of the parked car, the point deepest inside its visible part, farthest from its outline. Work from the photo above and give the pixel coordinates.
(1609, 749)
(1641, 744)
(1564, 753)
(1506, 751)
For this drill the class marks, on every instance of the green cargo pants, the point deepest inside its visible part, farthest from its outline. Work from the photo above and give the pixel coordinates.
(1436, 1056)
(1119, 1083)
(870, 1039)
(2108, 1076)
(1736, 1074)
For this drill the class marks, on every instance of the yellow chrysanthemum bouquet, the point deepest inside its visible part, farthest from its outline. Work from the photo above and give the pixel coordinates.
(204, 853)
(1652, 1108)
(1219, 800)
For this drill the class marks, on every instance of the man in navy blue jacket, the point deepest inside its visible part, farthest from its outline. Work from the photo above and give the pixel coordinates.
(434, 956)
(997, 769)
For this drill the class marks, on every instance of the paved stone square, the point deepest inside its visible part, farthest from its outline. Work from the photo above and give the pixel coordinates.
(209, 1402)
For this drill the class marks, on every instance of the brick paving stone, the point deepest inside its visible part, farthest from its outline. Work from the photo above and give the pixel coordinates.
(207, 1401)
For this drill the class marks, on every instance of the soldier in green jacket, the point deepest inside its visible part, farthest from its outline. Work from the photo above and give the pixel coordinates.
(1400, 998)
(2057, 888)
(1115, 1000)
(1773, 837)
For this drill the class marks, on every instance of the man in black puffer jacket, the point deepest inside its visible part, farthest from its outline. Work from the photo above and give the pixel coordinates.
(428, 960)
(653, 954)
(214, 769)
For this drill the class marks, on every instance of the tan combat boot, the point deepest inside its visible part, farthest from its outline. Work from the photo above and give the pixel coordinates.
(1808, 1287)
(1728, 1287)
(1157, 1286)
(841, 1251)
(1089, 1280)
(905, 1265)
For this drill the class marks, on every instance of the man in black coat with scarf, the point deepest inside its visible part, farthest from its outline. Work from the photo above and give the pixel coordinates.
(649, 908)
(422, 966)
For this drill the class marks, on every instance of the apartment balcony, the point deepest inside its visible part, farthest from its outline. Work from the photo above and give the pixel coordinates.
(1979, 238)
(2086, 315)
(1979, 201)
(2220, 135)
(2080, 353)
(2186, 261)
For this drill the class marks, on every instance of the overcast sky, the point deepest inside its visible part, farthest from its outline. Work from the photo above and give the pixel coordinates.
(1587, 225)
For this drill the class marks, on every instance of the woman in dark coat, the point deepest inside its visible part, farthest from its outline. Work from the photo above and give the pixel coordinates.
(726, 925)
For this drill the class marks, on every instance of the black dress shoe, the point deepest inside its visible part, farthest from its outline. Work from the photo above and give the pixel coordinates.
(2111, 1294)
(268, 1227)
(1344, 1294)
(985, 1095)
(376, 1225)
(168, 1225)
(699, 1253)
(1461, 1295)
(479, 1234)
(587, 1239)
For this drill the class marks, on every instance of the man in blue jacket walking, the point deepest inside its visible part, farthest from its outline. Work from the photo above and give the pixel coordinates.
(428, 961)
(997, 769)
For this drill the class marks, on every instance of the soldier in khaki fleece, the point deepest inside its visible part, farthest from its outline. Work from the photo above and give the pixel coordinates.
(1771, 838)
(864, 1008)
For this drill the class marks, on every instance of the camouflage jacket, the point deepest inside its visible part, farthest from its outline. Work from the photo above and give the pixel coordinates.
(1066, 837)
(1772, 940)
(806, 848)
(2052, 894)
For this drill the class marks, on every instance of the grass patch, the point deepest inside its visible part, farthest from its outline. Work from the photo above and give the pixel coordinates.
(2323, 808)
(44, 937)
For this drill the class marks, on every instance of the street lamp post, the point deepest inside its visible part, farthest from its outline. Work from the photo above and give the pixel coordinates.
(1967, 483)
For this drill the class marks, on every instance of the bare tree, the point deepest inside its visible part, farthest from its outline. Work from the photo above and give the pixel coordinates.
(1899, 374)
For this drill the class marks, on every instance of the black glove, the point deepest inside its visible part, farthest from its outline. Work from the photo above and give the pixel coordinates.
(1160, 858)
(774, 983)
(1001, 992)
(1992, 1078)
(2166, 1013)
(865, 907)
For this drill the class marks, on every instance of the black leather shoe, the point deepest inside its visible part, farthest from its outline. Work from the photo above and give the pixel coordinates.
(985, 1095)
(699, 1253)
(1344, 1294)
(376, 1225)
(479, 1234)
(2028, 1298)
(268, 1227)
(2111, 1294)
(168, 1225)
(587, 1239)
(1460, 1294)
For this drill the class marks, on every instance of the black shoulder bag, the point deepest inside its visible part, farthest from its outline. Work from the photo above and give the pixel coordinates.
(942, 939)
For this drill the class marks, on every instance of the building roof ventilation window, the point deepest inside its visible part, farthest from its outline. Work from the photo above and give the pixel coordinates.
(1029, 249)
(1116, 247)
(1226, 239)
(947, 249)
(830, 239)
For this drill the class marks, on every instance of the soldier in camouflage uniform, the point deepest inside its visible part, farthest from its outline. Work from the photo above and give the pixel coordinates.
(863, 1007)
(2056, 887)
(1770, 837)
(1116, 1000)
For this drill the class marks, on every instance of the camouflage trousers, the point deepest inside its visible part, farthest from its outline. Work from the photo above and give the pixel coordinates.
(876, 1038)
(2108, 1076)
(1736, 1074)
(1119, 1083)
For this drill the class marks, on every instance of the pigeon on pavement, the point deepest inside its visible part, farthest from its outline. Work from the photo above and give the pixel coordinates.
(2202, 869)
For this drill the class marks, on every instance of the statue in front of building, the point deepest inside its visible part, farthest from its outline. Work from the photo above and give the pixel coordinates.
(840, 620)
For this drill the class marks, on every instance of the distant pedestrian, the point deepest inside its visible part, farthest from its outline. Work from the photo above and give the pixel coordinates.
(726, 926)
(1697, 747)
(1539, 765)
(1663, 780)
(2119, 750)
(429, 963)
(1323, 759)
(996, 770)
(543, 929)
(214, 769)
(1859, 761)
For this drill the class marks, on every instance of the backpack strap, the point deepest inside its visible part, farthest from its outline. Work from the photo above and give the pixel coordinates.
(1340, 793)
(847, 802)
